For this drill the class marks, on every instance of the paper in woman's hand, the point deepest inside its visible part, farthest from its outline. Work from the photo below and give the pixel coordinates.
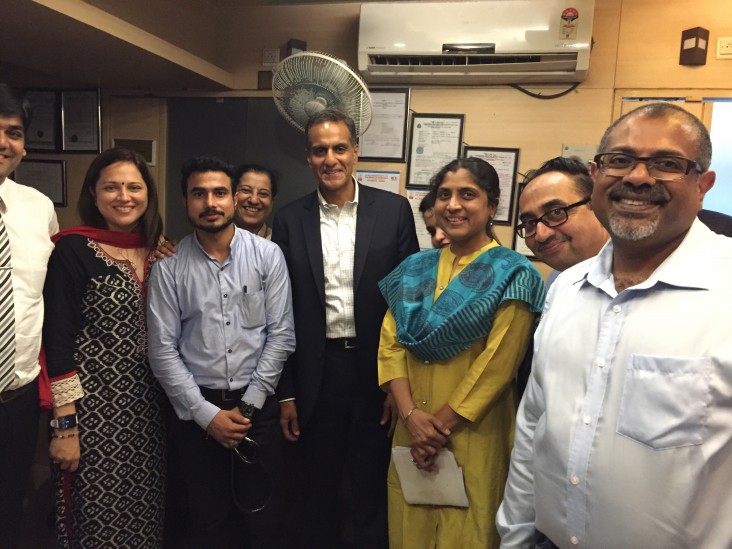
(442, 487)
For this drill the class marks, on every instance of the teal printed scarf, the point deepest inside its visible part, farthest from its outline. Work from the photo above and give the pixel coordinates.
(463, 314)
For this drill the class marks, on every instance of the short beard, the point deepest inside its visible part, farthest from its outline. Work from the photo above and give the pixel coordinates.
(213, 229)
(632, 229)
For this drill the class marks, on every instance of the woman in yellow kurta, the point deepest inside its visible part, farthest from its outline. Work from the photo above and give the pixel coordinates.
(458, 325)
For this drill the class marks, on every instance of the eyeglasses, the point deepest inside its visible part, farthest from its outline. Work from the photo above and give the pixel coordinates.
(552, 218)
(664, 168)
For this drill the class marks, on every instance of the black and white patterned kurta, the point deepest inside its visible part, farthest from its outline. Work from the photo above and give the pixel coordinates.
(95, 324)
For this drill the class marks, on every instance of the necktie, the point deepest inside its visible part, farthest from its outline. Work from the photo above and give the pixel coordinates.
(7, 313)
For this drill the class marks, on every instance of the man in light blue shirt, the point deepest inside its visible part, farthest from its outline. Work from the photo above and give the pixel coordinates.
(220, 328)
(624, 435)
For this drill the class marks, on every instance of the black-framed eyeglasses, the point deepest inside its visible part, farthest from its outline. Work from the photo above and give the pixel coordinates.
(662, 167)
(552, 218)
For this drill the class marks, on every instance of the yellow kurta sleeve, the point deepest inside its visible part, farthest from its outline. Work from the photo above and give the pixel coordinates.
(496, 366)
(392, 356)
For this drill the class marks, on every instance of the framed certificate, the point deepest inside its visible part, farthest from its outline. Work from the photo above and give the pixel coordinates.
(80, 121)
(386, 138)
(47, 176)
(435, 140)
(505, 162)
(42, 135)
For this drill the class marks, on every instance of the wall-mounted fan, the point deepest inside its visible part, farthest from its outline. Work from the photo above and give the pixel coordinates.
(308, 82)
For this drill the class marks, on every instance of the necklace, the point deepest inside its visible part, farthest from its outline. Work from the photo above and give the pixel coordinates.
(130, 259)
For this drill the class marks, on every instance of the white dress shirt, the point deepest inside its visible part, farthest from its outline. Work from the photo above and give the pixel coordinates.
(30, 220)
(624, 435)
(338, 237)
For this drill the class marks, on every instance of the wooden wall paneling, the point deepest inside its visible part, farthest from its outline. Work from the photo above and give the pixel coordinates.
(650, 39)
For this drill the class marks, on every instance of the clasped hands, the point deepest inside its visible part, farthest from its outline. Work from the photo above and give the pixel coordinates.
(429, 433)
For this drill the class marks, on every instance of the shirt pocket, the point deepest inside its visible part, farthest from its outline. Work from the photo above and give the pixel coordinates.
(665, 401)
(253, 313)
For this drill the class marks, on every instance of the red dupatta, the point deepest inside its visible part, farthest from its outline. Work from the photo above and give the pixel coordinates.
(105, 236)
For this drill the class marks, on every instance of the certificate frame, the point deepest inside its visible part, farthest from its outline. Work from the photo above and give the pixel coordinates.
(81, 121)
(46, 176)
(435, 139)
(148, 148)
(519, 244)
(390, 107)
(505, 162)
(43, 132)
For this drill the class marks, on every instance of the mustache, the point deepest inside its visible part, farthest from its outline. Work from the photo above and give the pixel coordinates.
(651, 193)
(551, 240)
(210, 211)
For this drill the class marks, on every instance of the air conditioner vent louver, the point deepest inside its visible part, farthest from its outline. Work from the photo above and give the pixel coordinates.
(463, 60)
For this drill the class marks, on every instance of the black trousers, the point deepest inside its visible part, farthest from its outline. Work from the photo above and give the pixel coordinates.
(205, 469)
(344, 441)
(18, 434)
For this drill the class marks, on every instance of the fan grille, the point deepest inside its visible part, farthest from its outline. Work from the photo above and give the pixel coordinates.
(304, 77)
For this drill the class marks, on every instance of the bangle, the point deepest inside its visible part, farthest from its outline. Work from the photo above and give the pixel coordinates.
(409, 414)
(67, 435)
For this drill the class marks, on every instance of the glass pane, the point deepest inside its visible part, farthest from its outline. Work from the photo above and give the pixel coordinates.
(719, 199)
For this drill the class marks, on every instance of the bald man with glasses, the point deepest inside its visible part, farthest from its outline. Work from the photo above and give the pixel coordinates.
(624, 435)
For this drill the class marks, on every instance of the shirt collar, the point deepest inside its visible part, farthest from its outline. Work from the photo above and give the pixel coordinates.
(4, 194)
(232, 245)
(681, 268)
(324, 204)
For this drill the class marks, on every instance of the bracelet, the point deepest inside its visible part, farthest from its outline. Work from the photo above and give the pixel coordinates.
(68, 435)
(409, 414)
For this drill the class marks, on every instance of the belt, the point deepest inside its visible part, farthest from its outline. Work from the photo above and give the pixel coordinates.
(12, 394)
(342, 343)
(222, 395)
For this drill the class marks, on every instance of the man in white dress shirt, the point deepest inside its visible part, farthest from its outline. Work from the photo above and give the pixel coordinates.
(29, 220)
(624, 435)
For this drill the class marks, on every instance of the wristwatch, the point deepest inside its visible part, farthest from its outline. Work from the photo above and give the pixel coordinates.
(64, 422)
(248, 410)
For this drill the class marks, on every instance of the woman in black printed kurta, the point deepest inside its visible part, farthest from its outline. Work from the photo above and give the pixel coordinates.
(110, 469)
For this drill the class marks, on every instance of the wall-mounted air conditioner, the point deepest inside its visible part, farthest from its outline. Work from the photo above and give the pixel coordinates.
(482, 42)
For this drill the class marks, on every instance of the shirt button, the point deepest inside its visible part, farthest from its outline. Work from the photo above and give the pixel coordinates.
(587, 420)
(601, 362)
(231, 379)
(226, 295)
(228, 351)
(574, 479)
(442, 287)
(616, 308)
(574, 540)
(228, 323)
(426, 361)
(424, 403)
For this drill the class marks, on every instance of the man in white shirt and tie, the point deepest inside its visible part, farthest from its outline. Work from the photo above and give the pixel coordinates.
(27, 221)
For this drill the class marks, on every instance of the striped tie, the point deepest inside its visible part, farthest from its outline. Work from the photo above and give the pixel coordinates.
(7, 313)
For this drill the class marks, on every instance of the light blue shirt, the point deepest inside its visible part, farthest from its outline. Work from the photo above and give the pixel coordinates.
(222, 326)
(624, 435)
